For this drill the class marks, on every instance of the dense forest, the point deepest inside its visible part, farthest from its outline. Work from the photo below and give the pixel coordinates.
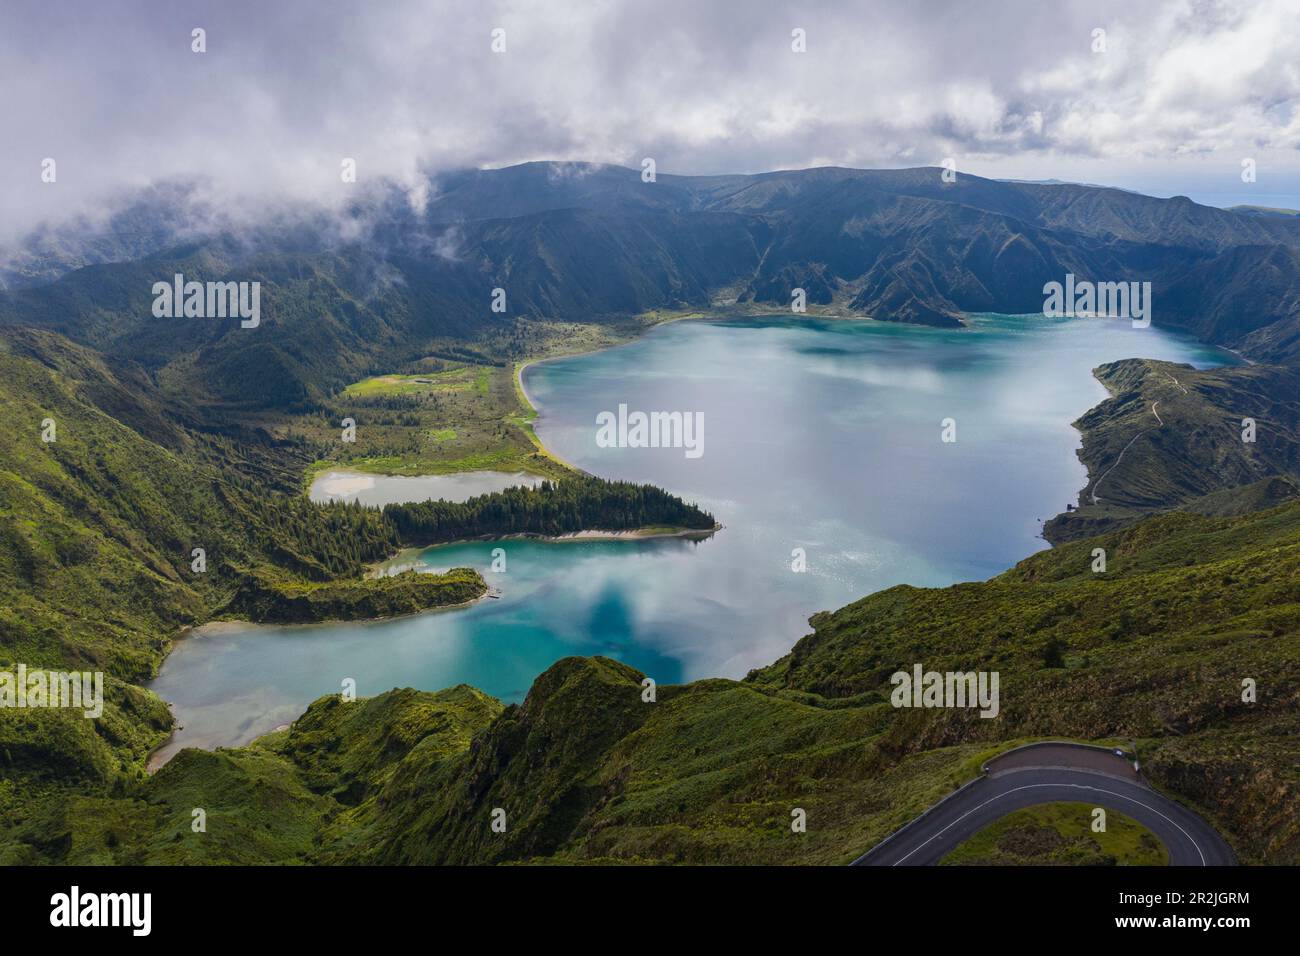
(554, 507)
(318, 541)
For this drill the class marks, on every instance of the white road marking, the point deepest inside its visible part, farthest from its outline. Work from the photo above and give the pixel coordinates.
(1077, 786)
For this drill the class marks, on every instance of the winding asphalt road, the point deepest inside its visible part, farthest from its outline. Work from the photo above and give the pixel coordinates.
(1047, 773)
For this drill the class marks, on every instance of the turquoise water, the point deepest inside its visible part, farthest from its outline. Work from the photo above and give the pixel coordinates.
(819, 435)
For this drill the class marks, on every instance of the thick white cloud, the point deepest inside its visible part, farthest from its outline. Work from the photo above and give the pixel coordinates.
(113, 92)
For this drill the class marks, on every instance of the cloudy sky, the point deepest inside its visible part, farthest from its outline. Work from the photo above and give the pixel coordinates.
(111, 90)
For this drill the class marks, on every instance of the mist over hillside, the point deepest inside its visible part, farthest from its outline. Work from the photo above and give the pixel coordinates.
(587, 242)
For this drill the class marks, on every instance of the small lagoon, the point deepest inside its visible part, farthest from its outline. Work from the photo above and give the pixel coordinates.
(380, 490)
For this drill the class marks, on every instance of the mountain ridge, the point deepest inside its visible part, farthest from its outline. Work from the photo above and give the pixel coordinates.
(572, 242)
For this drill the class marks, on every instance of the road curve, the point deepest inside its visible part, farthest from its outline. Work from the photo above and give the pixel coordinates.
(1048, 773)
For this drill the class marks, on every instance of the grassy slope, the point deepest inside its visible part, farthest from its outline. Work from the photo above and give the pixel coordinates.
(466, 419)
(1056, 834)
(1155, 649)
(280, 799)
(99, 525)
(1187, 452)
(96, 530)
(458, 408)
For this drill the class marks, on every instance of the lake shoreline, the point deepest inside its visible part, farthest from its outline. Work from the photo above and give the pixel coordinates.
(722, 315)
(594, 603)
(375, 490)
(636, 534)
(640, 534)
(218, 625)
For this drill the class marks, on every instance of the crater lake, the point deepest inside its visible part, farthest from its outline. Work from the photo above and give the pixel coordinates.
(819, 435)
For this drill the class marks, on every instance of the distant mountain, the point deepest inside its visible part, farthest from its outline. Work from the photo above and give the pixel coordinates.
(585, 242)
(139, 226)
(1264, 211)
(1067, 182)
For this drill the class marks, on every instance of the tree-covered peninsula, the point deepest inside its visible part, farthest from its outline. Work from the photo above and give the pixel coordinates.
(560, 507)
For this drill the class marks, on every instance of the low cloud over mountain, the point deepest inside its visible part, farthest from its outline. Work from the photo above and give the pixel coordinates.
(284, 92)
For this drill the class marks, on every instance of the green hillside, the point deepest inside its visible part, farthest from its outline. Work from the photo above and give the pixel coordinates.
(1155, 649)
(98, 569)
(1060, 834)
(1172, 436)
(101, 523)
(98, 528)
